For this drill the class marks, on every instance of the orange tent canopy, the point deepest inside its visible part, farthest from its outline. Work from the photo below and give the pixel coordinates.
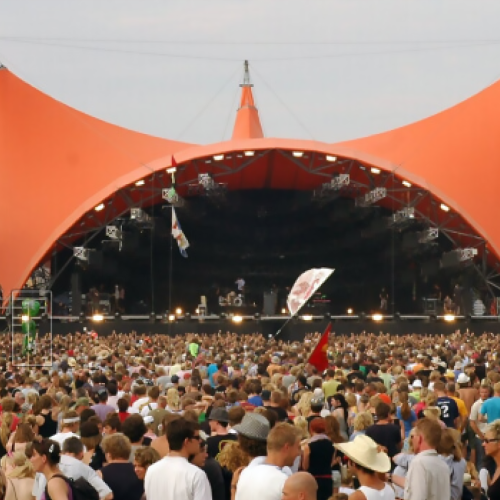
(58, 164)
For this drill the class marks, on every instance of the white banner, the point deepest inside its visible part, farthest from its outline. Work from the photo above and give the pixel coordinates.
(305, 286)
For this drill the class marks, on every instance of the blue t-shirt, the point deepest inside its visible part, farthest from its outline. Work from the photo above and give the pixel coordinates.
(491, 408)
(256, 401)
(210, 372)
(407, 423)
(449, 410)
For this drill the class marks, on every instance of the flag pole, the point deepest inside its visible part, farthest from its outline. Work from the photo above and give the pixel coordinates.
(170, 268)
(283, 326)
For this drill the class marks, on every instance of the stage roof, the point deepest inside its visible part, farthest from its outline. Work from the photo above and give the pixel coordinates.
(58, 164)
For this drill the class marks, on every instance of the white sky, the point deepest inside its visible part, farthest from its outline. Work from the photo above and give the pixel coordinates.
(323, 69)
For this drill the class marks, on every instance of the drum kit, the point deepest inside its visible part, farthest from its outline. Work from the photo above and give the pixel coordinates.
(232, 299)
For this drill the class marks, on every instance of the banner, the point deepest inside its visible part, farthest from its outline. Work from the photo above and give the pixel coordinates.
(179, 235)
(319, 357)
(305, 286)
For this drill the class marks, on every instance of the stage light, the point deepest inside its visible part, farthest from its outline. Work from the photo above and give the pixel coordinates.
(25, 318)
(377, 317)
(445, 208)
(350, 310)
(249, 153)
(307, 317)
(283, 311)
(97, 317)
(197, 311)
(298, 154)
(218, 157)
(331, 158)
(449, 317)
(407, 184)
(140, 183)
(375, 170)
(99, 207)
(178, 311)
(171, 317)
(237, 319)
(171, 170)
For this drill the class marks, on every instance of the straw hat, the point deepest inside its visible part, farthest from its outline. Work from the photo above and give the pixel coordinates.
(365, 452)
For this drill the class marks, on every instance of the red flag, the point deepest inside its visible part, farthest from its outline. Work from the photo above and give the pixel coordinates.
(319, 357)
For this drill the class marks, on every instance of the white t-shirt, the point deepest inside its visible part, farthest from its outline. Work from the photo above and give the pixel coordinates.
(60, 437)
(141, 401)
(260, 481)
(474, 415)
(148, 408)
(174, 478)
(74, 469)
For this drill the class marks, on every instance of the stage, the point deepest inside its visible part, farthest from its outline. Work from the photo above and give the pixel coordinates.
(295, 329)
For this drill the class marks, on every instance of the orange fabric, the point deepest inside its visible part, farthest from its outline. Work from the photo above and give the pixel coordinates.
(56, 164)
(247, 125)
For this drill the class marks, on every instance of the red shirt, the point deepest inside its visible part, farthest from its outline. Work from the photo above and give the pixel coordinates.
(122, 415)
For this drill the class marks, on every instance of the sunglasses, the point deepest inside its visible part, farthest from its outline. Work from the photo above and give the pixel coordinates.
(494, 440)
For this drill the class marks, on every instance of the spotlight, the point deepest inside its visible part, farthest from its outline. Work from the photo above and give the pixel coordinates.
(25, 318)
(140, 183)
(99, 207)
(350, 310)
(283, 311)
(298, 154)
(97, 317)
(377, 317)
(449, 317)
(331, 158)
(218, 157)
(406, 184)
(375, 170)
(171, 170)
(178, 311)
(197, 311)
(171, 317)
(445, 208)
(237, 319)
(249, 153)
(307, 317)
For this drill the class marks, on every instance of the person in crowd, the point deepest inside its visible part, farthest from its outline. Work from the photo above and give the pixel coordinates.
(47, 411)
(450, 450)
(265, 479)
(119, 473)
(384, 432)
(212, 469)
(70, 425)
(102, 408)
(367, 462)
(318, 457)
(491, 444)
(490, 410)
(45, 460)
(220, 435)
(173, 477)
(135, 429)
(428, 475)
(20, 476)
(143, 458)
(300, 486)
(91, 438)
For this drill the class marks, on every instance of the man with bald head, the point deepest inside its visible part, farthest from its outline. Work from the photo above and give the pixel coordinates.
(300, 486)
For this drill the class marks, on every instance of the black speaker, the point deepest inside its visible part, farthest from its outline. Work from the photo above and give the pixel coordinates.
(76, 293)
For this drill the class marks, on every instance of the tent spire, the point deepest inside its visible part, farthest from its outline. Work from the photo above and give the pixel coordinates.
(247, 124)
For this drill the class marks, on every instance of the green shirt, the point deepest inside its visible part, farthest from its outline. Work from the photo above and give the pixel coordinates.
(193, 349)
(330, 387)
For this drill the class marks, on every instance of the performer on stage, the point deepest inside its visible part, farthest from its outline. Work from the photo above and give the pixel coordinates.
(384, 300)
(240, 283)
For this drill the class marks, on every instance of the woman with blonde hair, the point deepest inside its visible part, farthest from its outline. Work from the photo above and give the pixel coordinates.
(18, 440)
(450, 450)
(302, 423)
(173, 401)
(406, 416)
(20, 476)
(303, 407)
(362, 421)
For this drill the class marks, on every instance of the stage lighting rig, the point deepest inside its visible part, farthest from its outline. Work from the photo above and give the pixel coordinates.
(466, 254)
(209, 187)
(331, 188)
(115, 236)
(428, 235)
(81, 253)
(371, 197)
(170, 195)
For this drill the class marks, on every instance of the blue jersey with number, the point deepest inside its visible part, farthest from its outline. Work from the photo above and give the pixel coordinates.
(449, 410)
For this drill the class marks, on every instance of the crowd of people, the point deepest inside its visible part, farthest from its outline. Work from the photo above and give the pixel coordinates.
(237, 417)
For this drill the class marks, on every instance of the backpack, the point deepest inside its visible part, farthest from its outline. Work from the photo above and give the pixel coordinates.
(81, 489)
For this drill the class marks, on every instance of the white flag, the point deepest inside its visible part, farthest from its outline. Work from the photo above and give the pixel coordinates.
(179, 235)
(305, 286)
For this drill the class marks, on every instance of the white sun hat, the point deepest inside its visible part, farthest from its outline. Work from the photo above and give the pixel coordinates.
(364, 451)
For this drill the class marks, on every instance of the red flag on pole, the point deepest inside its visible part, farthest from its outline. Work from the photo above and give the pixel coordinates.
(319, 357)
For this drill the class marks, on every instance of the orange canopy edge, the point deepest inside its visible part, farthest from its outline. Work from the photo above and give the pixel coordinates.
(58, 164)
